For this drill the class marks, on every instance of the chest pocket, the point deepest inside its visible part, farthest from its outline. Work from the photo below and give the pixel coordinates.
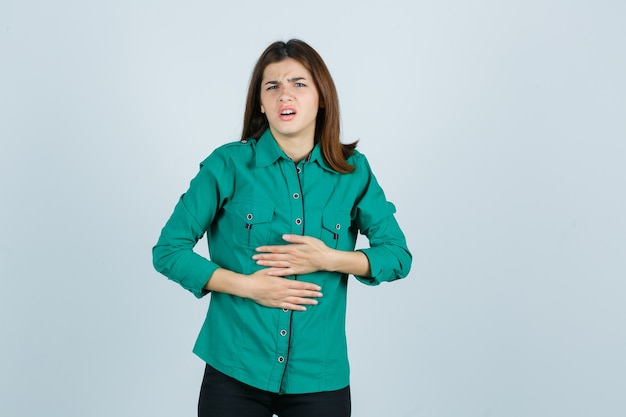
(336, 229)
(250, 223)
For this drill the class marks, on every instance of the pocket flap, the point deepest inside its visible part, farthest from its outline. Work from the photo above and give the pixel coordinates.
(336, 221)
(251, 213)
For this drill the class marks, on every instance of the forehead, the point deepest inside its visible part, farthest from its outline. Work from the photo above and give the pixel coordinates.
(285, 69)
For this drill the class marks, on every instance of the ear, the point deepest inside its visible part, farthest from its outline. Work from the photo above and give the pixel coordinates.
(262, 109)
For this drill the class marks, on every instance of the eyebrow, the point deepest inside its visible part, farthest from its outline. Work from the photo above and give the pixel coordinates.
(290, 80)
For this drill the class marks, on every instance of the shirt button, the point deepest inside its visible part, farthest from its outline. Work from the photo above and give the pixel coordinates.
(283, 332)
(249, 216)
(298, 169)
(337, 226)
(281, 359)
(285, 310)
(298, 222)
(296, 196)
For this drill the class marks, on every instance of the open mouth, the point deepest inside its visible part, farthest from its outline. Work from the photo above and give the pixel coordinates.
(287, 114)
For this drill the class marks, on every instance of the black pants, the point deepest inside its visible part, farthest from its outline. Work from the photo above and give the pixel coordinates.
(223, 396)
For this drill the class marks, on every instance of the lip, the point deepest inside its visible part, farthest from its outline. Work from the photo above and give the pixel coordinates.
(286, 117)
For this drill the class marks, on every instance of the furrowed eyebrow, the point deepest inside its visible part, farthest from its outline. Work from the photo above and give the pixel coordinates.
(291, 80)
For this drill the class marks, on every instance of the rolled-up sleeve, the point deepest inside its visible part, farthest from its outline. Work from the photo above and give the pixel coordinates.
(173, 254)
(388, 254)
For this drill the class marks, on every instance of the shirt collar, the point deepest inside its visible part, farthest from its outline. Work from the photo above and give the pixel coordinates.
(316, 156)
(268, 152)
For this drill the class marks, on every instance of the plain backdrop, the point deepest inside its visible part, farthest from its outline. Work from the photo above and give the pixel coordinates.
(498, 128)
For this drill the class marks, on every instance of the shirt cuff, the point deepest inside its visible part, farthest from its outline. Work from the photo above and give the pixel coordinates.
(195, 281)
(376, 268)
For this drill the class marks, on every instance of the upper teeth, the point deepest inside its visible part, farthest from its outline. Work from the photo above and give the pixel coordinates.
(287, 112)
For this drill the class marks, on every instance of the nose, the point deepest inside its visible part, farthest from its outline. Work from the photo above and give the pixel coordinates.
(285, 95)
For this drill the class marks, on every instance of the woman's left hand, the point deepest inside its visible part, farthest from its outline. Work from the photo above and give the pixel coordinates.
(303, 255)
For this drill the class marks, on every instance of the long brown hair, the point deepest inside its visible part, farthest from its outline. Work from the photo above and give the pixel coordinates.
(327, 129)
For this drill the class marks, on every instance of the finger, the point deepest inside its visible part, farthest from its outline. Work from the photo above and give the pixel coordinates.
(300, 239)
(294, 307)
(308, 294)
(300, 302)
(303, 285)
(273, 249)
(306, 286)
(280, 272)
(269, 257)
(294, 238)
(293, 285)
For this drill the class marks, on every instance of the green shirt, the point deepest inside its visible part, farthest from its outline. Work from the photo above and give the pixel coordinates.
(248, 194)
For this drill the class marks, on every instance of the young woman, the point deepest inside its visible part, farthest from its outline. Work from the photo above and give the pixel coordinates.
(281, 209)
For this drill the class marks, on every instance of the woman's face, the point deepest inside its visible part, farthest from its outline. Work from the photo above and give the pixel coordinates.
(289, 100)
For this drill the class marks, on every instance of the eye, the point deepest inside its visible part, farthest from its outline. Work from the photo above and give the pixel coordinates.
(271, 87)
(300, 85)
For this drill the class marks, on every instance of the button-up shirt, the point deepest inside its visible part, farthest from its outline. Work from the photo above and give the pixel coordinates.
(248, 194)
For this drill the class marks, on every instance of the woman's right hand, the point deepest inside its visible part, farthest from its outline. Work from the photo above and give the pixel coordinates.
(265, 289)
(277, 292)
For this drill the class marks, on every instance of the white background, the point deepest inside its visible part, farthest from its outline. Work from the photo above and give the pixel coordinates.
(497, 128)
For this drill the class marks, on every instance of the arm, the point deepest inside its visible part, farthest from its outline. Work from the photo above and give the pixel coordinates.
(388, 254)
(387, 258)
(306, 254)
(174, 257)
(265, 288)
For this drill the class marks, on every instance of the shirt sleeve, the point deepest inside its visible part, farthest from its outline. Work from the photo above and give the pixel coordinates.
(388, 254)
(173, 254)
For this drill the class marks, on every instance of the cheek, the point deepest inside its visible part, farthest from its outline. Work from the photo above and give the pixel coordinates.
(317, 101)
(262, 102)
(315, 104)
(265, 108)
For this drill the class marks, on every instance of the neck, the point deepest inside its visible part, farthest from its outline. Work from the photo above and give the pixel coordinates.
(296, 148)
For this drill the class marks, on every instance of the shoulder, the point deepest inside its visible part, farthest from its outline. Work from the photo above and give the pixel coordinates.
(238, 151)
(360, 162)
